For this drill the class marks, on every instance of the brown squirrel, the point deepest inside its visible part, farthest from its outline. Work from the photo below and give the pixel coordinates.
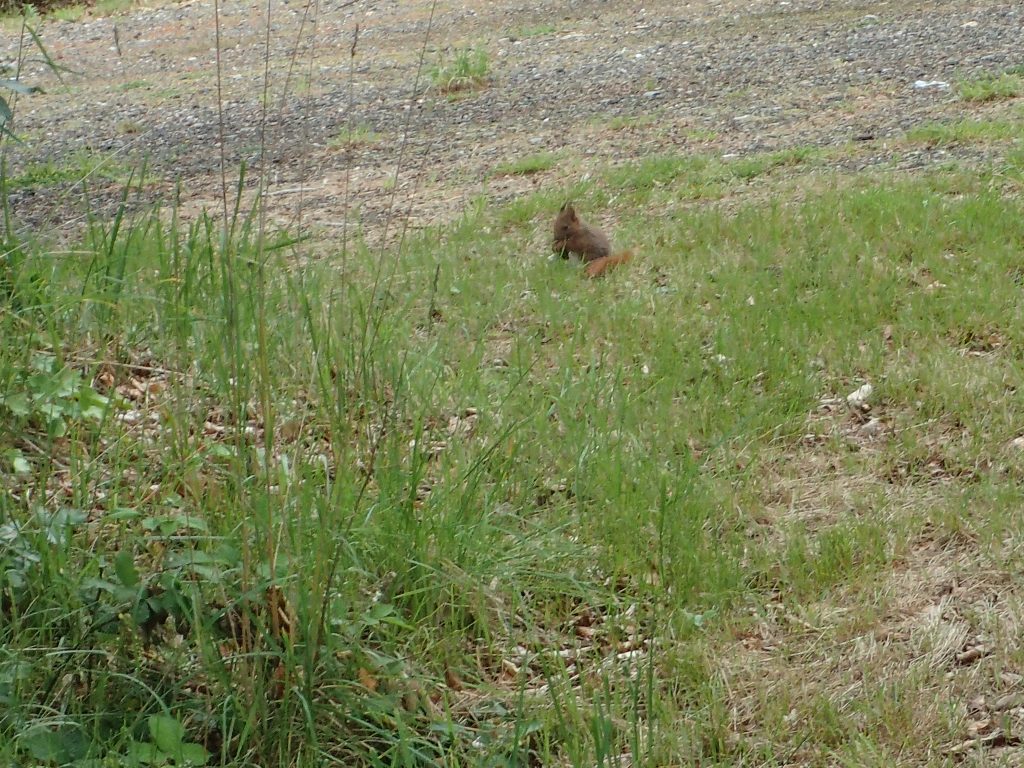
(572, 235)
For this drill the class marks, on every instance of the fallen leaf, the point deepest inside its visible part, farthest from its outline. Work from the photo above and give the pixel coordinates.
(368, 681)
(453, 680)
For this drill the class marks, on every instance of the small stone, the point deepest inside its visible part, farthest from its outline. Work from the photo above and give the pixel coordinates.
(931, 85)
(859, 397)
(872, 428)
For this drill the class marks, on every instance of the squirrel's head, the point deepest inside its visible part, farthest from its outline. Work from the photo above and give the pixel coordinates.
(564, 221)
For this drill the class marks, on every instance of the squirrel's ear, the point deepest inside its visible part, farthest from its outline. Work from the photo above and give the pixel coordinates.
(569, 210)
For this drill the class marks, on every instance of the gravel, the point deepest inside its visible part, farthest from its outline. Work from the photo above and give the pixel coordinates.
(723, 77)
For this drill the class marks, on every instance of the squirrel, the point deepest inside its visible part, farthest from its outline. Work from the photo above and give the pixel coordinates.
(572, 235)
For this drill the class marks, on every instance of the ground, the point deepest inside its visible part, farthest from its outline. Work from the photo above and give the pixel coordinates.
(589, 83)
(877, 596)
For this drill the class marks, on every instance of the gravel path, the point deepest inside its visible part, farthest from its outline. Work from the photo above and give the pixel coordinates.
(711, 76)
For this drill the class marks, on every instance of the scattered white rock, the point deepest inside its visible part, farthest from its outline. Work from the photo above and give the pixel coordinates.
(931, 85)
(858, 399)
(1018, 443)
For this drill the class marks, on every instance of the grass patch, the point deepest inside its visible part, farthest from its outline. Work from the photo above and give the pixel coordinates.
(992, 87)
(488, 513)
(535, 30)
(523, 166)
(360, 135)
(463, 70)
(132, 85)
(649, 120)
(966, 132)
(701, 177)
(129, 127)
(98, 8)
(700, 134)
(68, 13)
(622, 122)
(75, 167)
(759, 165)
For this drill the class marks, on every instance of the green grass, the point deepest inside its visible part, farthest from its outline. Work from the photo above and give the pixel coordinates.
(761, 164)
(76, 166)
(535, 30)
(701, 134)
(268, 511)
(992, 87)
(357, 136)
(662, 179)
(99, 8)
(968, 131)
(129, 127)
(622, 122)
(523, 166)
(464, 69)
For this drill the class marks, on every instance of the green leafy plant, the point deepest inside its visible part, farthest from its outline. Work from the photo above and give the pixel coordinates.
(24, 548)
(167, 745)
(50, 396)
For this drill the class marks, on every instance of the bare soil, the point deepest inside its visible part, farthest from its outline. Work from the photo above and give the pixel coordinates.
(596, 83)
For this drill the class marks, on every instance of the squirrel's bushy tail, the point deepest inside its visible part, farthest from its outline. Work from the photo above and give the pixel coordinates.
(598, 267)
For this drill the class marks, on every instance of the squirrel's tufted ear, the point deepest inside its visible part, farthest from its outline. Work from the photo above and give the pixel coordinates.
(567, 208)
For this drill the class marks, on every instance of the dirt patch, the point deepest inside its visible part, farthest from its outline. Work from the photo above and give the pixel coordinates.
(718, 77)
